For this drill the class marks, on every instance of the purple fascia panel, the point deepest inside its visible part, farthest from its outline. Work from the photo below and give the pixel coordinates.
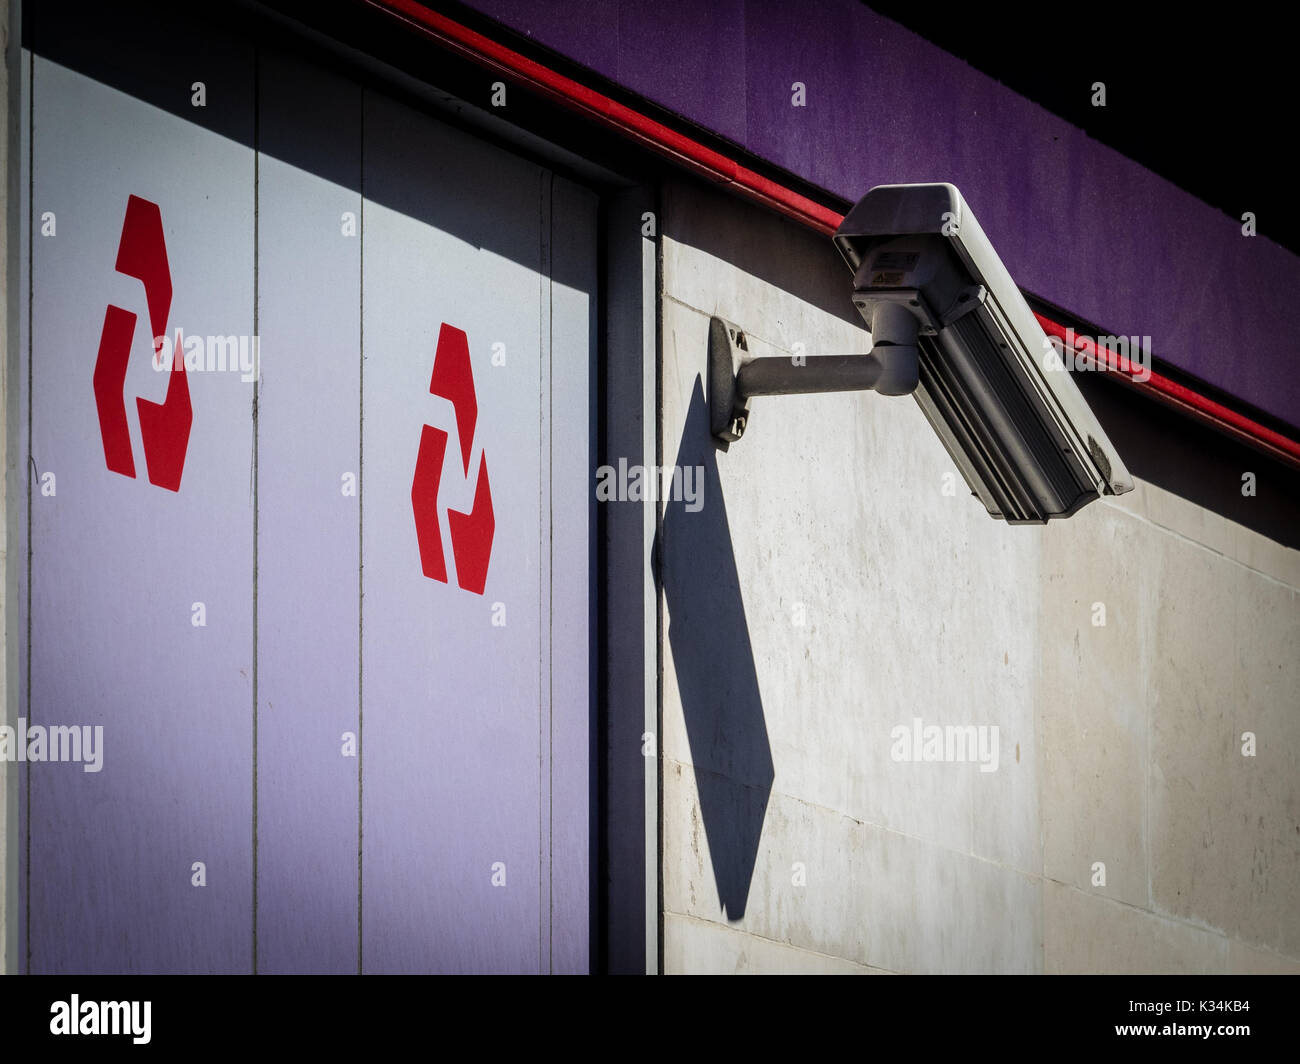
(1077, 223)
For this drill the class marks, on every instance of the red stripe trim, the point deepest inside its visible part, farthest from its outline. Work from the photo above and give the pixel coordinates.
(715, 166)
(1178, 395)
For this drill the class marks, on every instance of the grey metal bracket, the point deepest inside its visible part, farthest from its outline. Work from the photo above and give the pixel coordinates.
(735, 375)
(728, 409)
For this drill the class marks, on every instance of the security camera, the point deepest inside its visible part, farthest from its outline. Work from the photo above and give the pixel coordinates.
(949, 325)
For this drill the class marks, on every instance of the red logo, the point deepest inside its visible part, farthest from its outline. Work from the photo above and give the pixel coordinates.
(165, 426)
(471, 533)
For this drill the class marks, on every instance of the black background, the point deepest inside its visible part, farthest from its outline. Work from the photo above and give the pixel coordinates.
(1204, 96)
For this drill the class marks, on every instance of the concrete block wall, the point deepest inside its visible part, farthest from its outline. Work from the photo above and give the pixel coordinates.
(830, 589)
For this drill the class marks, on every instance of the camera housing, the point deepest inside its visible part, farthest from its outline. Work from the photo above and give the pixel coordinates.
(990, 385)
